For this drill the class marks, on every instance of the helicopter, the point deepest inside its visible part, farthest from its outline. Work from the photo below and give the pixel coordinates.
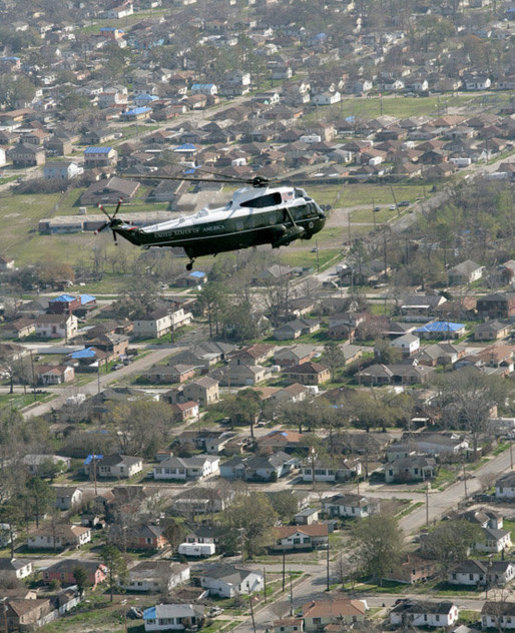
(260, 213)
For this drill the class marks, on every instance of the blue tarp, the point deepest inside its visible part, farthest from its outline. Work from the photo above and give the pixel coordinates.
(197, 274)
(62, 299)
(149, 614)
(87, 299)
(440, 327)
(87, 352)
(90, 458)
(97, 150)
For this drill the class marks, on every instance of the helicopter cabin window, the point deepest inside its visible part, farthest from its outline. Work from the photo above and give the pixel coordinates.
(269, 200)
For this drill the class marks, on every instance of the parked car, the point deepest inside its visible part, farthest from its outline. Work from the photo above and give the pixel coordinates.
(134, 613)
(393, 207)
(214, 611)
(404, 203)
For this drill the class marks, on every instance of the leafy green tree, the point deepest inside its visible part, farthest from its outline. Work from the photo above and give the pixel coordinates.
(12, 90)
(11, 516)
(116, 567)
(251, 518)
(42, 496)
(379, 544)
(450, 541)
(333, 357)
(285, 503)
(80, 576)
(212, 300)
(466, 399)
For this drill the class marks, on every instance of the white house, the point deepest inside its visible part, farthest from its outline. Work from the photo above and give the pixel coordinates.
(15, 568)
(346, 505)
(423, 613)
(408, 344)
(498, 615)
(119, 466)
(186, 468)
(153, 325)
(327, 98)
(3, 159)
(62, 170)
(173, 617)
(477, 573)
(493, 540)
(67, 497)
(205, 89)
(156, 575)
(505, 487)
(227, 581)
(61, 537)
(56, 326)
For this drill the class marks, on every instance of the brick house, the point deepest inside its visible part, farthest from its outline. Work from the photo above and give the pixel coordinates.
(183, 411)
(498, 305)
(318, 614)
(309, 373)
(148, 537)
(63, 572)
(26, 155)
(294, 537)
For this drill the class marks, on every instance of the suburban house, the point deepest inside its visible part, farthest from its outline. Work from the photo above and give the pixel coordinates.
(117, 466)
(67, 497)
(498, 615)
(147, 537)
(492, 330)
(294, 355)
(283, 440)
(411, 468)
(413, 569)
(156, 576)
(15, 568)
(441, 330)
(335, 471)
(201, 500)
(289, 625)
(294, 537)
(56, 326)
(346, 505)
(309, 373)
(318, 614)
(28, 614)
(259, 468)
(227, 581)
(174, 617)
(424, 613)
(499, 305)
(465, 273)
(307, 516)
(505, 486)
(60, 537)
(100, 157)
(296, 328)
(493, 540)
(53, 374)
(63, 572)
(154, 325)
(409, 344)
(478, 573)
(184, 411)
(187, 468)
(203, 390)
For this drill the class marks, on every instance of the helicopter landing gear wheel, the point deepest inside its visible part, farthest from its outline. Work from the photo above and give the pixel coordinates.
(189, 265)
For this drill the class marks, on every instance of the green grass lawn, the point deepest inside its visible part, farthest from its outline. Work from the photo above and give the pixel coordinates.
(356, 194)
(444, 479)
(18, 401)
(398, 106)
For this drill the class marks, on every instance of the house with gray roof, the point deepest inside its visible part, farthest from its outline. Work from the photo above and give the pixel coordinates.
(187, 468)
(412, 468)
(227, 581)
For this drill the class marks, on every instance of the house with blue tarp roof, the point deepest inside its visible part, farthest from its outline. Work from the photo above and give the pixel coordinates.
(63, 304)
(190, 280)
(441, 330)
(204, 89)
(96, 156)
(144, 97)
(186, 148)
(89, 359)
(137, 114)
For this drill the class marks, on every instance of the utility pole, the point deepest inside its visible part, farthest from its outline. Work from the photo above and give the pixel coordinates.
(4, 610)
(284, 569)
(312, 451)
(33, 375)
(465, 480)
(427, 504)
(291, 596)
(252, 614)
(264, 584)
(95, 472)
(328, 578)
(511, 455)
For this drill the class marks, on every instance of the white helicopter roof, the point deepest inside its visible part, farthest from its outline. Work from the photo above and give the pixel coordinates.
(285, 196)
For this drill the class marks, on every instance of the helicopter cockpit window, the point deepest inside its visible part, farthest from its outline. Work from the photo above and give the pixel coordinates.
(269, 200)
(300, 193)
